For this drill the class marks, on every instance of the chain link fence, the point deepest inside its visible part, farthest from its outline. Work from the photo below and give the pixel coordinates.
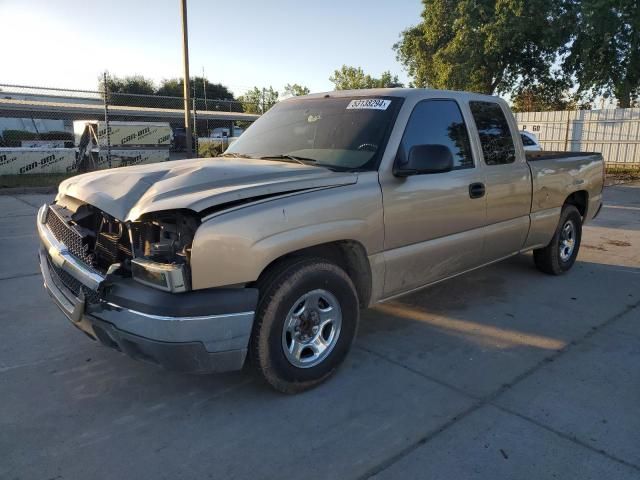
(64, 131)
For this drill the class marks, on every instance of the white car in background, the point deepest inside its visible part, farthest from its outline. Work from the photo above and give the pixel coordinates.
(530, 141)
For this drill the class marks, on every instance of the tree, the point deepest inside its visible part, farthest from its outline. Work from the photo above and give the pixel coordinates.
(128, 90)
(295, 90)
(133, 84)
(553, 94)
(353, 78)
(259, 100)
(484, 46)
(604, 55)
(173, 87)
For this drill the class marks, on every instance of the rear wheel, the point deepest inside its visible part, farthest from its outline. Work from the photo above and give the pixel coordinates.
(561, 253)
(306, 322)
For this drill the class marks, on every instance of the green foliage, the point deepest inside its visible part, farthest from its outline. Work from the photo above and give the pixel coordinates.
(549, 96)
(484, 46)
(127, 90)
(137, 91)
(295, 90)
(210, 149)
(13, 138)
(353, 78)
(604, 56)
(259, 100)
(134, 84)
(173, 87)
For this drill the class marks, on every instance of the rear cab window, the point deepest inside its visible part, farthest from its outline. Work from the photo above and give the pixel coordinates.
(438, 122)
(494, 132)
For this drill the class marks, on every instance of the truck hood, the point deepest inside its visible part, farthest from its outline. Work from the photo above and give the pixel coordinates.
(200, 184)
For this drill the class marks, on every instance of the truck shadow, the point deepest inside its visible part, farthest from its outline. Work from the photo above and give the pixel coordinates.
(480, 331)
(513, 287)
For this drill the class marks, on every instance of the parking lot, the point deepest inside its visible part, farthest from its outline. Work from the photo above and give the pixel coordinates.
(501, 373)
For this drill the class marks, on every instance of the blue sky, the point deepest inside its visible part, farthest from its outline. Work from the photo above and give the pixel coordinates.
(239, 43)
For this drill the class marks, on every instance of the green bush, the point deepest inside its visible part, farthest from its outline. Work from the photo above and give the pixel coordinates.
(210, 149)
(13, 138)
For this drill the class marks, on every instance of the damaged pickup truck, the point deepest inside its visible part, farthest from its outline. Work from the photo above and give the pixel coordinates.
(327, 204)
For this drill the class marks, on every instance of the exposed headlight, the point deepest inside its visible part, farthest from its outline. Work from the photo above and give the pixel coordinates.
(161, 244)
(168, 277)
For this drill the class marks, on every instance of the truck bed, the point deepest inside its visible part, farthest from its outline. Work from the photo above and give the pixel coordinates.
(555, 175)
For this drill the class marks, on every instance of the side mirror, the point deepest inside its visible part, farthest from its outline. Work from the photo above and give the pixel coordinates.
(425, 159)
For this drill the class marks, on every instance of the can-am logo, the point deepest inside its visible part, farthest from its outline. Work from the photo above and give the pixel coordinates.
(128, 138)
(42, 163)
(104, 131)
(47, 160)
(131, 160)
(5, 160)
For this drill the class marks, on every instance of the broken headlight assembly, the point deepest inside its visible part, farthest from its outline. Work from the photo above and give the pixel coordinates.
(162, 250)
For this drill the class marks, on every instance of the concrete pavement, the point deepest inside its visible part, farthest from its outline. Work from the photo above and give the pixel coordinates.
(501, 373)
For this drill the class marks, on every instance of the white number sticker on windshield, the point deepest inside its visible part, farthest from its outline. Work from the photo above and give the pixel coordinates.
(369, 104)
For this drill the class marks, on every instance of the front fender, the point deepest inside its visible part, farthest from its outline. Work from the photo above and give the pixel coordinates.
(235, 247)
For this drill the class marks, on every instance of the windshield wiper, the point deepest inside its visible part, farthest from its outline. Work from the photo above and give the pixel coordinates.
(301, 160)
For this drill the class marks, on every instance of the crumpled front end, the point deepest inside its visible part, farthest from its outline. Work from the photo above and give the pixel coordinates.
(86, 259)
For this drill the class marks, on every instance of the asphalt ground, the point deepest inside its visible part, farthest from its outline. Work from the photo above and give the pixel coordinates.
(503, 373)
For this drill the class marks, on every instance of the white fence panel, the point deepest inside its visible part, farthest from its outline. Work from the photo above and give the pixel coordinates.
(613, 132)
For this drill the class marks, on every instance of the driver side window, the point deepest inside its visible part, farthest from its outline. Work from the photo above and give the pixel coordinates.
(438, 122)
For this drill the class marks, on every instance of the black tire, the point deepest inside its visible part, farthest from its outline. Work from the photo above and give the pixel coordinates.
(549, 259)
(279, 291)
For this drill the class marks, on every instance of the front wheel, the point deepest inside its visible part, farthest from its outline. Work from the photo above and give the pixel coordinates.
(561, 253)
(306, 322)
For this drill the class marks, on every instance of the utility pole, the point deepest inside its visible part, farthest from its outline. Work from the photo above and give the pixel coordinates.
(186, 90)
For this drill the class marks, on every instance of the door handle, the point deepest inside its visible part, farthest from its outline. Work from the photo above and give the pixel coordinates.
(476, 190)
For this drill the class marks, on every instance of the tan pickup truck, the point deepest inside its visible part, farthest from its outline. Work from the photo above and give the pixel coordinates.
(327, 204)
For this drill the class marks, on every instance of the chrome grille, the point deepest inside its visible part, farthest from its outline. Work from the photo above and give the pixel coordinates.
(68, 235)
(63, 280)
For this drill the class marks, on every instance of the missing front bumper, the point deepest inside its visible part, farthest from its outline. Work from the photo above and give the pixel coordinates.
(197, 332)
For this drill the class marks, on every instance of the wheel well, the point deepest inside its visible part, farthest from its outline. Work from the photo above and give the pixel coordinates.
(349, 255)
(580, 200)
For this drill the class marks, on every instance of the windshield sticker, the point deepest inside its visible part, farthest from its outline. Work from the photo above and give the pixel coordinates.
(369, 104)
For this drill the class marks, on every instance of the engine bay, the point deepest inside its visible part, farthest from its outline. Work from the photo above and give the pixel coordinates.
(163, 237)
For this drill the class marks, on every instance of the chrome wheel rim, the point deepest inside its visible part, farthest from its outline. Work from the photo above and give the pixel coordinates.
(567, 240)
(312, 328)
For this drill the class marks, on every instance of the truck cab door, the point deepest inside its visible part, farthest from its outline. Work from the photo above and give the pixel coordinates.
(433, 221)
(507, 180)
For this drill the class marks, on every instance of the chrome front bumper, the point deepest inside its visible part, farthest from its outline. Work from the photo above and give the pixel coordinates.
(202, 342)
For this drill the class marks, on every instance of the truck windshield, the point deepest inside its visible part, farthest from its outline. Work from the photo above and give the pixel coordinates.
(341, 133)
